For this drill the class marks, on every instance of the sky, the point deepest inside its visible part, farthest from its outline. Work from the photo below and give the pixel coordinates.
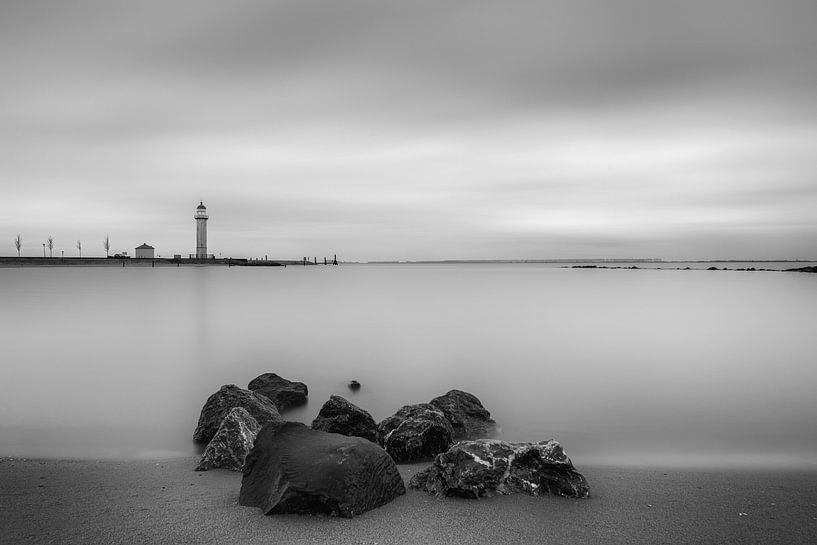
(412, 130)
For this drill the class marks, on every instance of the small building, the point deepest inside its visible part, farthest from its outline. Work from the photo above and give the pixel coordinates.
(144, 252)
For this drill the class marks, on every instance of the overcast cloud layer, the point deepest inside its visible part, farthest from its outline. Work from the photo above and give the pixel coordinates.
(412, 130)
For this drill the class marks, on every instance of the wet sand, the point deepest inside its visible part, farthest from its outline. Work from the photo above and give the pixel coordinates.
(165, 501)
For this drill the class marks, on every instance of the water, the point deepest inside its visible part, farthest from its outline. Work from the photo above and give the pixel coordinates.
(647, 367)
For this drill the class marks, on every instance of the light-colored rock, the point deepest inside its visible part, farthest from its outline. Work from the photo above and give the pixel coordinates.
(485, 467)
(228, 397)
(233, 441)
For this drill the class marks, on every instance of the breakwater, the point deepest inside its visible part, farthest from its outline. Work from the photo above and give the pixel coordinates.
(140, 262)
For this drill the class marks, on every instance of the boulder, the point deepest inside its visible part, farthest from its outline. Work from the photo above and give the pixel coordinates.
(354, 385)
(232, 442)
(295, 469)
(469, 419)
(486, 467)
(228, 397)
(284, 393)
(339, 416)
(415, 432)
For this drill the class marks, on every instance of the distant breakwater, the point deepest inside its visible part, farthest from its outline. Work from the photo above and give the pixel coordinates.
(140, 262)
(809, 269)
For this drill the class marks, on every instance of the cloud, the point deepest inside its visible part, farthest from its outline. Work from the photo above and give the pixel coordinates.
(406, 130)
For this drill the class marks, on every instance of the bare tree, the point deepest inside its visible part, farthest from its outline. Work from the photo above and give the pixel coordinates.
(18, 243)
(79, 247)
(50, 244)
(107, 245)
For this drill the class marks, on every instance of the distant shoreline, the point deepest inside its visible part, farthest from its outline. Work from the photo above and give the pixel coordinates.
(21, 262)
(599, 260)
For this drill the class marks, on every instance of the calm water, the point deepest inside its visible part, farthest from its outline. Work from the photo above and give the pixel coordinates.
(643, 367)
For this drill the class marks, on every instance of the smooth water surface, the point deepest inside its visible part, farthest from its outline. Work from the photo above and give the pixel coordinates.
(622, 366)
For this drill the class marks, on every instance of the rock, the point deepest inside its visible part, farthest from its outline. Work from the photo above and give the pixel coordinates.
(415, 432)
(339, 416)
(284, 393)
(295, 469)
(469, 419)
(354, 385)
(228, 397)
(232, 442)
(486, 467)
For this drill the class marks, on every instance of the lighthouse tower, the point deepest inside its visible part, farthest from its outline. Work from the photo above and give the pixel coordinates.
(201, 231)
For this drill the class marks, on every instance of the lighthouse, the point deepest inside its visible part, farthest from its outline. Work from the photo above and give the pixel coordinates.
(201, 231)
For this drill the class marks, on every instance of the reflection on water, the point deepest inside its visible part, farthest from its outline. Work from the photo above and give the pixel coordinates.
(643, 367)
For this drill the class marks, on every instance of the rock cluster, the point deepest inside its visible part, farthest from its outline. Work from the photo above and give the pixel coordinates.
(337, 468)
(227, 398)
(486, 467)
(340, 416)
(283, 393)
(419, 432)
(233, 441)
(232, 417)
(295, 469)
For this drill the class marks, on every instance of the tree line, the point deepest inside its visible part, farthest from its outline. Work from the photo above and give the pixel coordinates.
(49, 244)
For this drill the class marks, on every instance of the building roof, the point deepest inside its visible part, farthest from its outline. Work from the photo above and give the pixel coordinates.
(201, 206)
(144, 247)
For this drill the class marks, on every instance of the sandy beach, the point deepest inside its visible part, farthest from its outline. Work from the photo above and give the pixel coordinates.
(165, 501)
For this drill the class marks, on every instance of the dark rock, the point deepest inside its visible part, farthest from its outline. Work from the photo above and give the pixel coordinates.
(486, 467)
(232, 442)
(802, 269)
(339, 416)
(220, 403)
(415, 432)
(469, 419)
(354, 385)
(284, 393)
(712, 269)
(294, 469)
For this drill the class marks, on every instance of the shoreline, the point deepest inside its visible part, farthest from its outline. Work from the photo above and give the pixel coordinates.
(165, 501)
(38, 262)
